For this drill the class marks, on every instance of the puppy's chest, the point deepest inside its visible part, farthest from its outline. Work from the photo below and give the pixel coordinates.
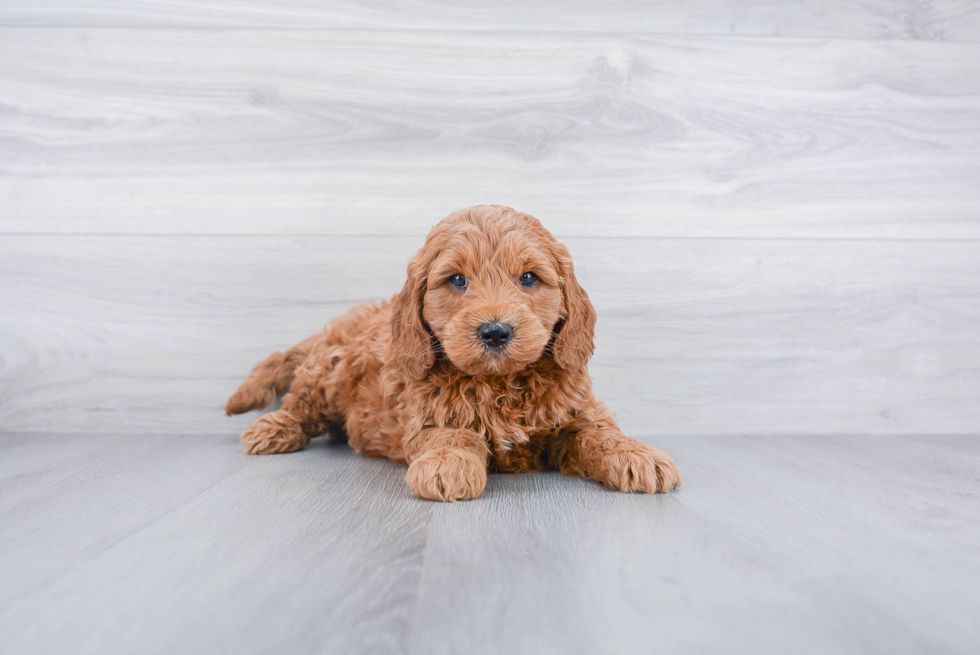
(513, 415)
(513, 420)
(518, 439)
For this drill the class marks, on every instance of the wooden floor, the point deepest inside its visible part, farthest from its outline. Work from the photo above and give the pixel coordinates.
(180, 544)
(774, 206)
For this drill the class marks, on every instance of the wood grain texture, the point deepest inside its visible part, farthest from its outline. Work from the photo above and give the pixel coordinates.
(341, 132)
(774, 206)
(162, 543)
(695, 336)
(183, 529)
(767, 539)
(868, 19)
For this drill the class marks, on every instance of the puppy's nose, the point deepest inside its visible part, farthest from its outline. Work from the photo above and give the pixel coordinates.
(495, 335)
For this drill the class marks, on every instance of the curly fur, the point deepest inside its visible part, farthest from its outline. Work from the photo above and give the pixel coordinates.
(410, 380)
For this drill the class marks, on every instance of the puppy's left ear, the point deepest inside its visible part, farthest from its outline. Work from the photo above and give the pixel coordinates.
(411, 343)
(575, 341)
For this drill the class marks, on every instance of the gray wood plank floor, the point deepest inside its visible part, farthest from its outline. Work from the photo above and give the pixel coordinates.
(163, 543)
(774, 206)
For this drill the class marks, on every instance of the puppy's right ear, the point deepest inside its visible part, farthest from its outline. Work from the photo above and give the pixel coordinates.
(411, 343)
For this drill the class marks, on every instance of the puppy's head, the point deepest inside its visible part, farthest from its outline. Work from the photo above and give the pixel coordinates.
(495, 289)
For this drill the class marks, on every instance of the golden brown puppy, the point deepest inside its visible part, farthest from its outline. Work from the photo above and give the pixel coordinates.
(478, 364)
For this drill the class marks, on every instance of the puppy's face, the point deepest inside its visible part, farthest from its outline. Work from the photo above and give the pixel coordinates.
(494, 288)
(493, 300)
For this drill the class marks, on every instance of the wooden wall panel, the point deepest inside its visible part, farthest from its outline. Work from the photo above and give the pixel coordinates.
(696, 336)
(300, 132)
(941, 20)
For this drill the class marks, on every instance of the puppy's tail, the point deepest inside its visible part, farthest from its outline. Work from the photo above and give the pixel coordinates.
(270, 377)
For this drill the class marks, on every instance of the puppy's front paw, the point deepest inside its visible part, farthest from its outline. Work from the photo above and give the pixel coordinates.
(639, 467)
(273, 433)
(447, 474)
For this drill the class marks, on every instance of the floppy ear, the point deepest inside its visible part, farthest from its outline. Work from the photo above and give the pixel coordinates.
(411, 343)
(575, 341)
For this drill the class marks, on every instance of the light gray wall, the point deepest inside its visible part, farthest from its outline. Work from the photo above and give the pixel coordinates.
(773, 207)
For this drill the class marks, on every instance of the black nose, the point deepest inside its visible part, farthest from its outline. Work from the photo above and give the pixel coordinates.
(495, 335)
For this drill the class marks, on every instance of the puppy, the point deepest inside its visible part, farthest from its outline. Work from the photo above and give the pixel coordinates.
(477, 365)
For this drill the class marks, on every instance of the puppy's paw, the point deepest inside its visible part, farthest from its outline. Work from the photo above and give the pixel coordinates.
(641, 468)
(447, 474)
(274, 433)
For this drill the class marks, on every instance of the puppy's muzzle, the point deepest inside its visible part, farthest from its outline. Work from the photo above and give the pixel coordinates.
(495, 335)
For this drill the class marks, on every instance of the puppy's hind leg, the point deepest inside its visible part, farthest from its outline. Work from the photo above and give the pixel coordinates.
(305, 411)
(276, 432)
(270, 377)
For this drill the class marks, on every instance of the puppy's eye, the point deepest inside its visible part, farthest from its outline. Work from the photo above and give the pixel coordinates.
(528, 280)
(457, 282)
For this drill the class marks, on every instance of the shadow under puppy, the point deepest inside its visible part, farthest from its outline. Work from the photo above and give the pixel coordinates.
(478, 364)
